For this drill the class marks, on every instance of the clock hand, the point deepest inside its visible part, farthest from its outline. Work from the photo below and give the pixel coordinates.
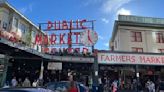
(89, 37)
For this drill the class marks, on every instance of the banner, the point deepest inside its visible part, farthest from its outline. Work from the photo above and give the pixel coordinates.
(54, 66)
(124, 58)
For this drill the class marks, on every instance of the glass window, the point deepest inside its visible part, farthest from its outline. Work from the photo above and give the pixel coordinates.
(135, 49)
(4, 25)
(23, 28)
(136, 37)
(15, 22)
(159, 38)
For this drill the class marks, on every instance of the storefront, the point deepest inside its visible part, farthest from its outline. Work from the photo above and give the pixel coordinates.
(122, 66)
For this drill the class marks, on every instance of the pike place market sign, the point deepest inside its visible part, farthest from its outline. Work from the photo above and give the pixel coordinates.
(125, 58)
(67, 33)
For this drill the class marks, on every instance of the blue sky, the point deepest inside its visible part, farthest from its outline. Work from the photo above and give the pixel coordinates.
(103, 11)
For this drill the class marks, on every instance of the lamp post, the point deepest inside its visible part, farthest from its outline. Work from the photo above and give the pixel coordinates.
(95, 68)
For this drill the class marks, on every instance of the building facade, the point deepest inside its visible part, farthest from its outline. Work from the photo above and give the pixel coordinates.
(21, 57)
(137, 45)
(14, 24)
(138, 34)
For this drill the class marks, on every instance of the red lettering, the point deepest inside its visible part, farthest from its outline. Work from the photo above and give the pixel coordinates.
(77, 24)
(64, 25)
(118, 58)
(112, 58)
(69, 42)
(38, 39)
(142, 59)
(148, 60)
(53, 39)
(133, 59)
(107, 58)
(77, 36)
(45, 40)
(102, 57)
(81, 24)
(123, 58)
(62, 38)
(71, 24)
(127, 58)
(157, 60)
(57, 24)
(49, 25)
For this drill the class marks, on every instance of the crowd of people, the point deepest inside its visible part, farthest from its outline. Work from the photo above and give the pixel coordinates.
(22, 83)
(109, 85)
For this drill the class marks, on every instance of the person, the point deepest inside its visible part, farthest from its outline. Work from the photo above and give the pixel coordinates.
(72, 87)
(14, 82)
(147, 85)
(26, 83)
(35, 83)
(151, 87)
(114, 86)
(19, 82)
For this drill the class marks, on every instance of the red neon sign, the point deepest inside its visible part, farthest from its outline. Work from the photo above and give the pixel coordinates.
(66, 25)
(57, 39)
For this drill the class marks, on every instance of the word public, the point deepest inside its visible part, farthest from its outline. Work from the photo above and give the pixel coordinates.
(66, 25)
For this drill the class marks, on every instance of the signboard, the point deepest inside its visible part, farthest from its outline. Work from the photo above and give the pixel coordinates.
(54, 66)
(124, 58)
(68, 36)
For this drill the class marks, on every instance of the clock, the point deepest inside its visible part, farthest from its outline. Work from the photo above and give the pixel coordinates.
(88, 37)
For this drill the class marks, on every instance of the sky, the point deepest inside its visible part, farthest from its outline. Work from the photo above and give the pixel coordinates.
(105, 12)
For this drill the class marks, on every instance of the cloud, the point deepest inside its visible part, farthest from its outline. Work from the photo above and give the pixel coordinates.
(91, 2)
(100, 37)
(113, 5)
(26, 9)
(106, 44)
(105, 20)
(123, 11)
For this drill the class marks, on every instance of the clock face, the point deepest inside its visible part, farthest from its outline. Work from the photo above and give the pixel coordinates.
(88, 37)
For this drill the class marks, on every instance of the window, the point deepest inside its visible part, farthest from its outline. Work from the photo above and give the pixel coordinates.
(159, 38)
(23, 28)
(15, 22)
(161, 50)
(136, 37)
(4, 25)
(135, 49)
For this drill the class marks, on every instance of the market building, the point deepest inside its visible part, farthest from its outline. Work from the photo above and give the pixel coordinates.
(137, 45)
(22, 55)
